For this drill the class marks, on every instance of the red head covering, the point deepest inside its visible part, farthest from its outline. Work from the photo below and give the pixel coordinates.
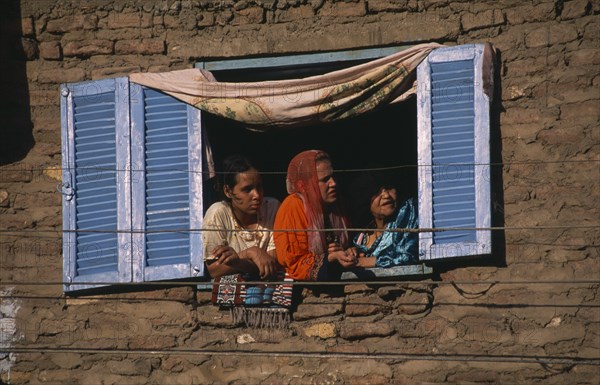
(302, 179)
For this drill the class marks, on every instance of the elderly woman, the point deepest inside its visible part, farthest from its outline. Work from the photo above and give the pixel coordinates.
(380, 247)
(310, 252)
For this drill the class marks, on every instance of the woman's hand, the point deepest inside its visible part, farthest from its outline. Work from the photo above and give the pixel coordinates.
(352, 252)
(346, 258)
(225, 255)
(333, 247)
(266, 264)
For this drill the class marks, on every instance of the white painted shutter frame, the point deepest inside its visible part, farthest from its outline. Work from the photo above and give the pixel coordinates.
(95, 148)
(167, 186)
(453, 154)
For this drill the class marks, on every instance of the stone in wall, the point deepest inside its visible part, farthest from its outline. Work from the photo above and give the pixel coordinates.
(136, 47)
(520, 14)
(308, 311)
(72, 23)
(388, 5)
(295, 13)
(353, 330)
(27, 28)
(490, 18)
(546, 36)
(574, 9)
(50, 50)
(88, 48)
(4, 201)
(117, 20)
(252, 15)
(323, 330)
(414, 302)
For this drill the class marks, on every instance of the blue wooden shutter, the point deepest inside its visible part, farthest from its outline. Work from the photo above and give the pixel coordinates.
(95, 155)
(453, 148)
(167, 186)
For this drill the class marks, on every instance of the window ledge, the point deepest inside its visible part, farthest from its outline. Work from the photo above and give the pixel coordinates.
(379, 272)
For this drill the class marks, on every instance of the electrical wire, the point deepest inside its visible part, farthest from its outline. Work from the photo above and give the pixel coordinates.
(494, 164)
(523, 359)
(333, 302)
(304, 283)
(396, 230)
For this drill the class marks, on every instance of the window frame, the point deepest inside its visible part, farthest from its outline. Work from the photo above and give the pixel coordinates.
(129, 132)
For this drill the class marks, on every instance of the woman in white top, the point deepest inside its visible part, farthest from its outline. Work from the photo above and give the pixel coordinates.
(237, 232)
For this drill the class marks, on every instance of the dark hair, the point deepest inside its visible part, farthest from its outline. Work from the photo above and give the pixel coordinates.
(322, 157)
(232, 166)
(364, 186)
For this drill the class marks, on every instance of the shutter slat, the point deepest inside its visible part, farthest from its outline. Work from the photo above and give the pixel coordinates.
(100, 123)
(163, 206)
(96, 268)
(165, 146)
(91, 138)
(89, 223)
(99, 192)
(159, 136)
(175, 188)
(162, 152)
(92, 237)
(100, 153)
(93, 98)
(454, 141)
(89, 252)
(441, 105)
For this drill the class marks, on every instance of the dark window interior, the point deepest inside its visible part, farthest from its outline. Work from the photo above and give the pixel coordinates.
(382, 138)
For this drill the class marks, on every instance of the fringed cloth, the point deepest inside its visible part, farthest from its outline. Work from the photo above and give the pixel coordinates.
(257, 306)
(260, 317)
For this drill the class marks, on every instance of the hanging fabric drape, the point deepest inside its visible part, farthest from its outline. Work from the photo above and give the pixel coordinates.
(297, 102)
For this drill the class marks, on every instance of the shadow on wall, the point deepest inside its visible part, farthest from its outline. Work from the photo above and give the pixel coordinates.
(17, 45)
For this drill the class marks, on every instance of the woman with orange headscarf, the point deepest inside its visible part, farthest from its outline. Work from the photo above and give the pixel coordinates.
(310, 252)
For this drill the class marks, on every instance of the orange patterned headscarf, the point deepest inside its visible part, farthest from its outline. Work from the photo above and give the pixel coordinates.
(302, 180)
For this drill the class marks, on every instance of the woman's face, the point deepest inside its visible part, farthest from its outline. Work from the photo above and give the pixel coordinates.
(246, 196)
(384, 204)
(327, 185)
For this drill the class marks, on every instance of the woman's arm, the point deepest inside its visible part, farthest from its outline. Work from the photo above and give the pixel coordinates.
(263, 261)
(346, 258)
(366, 261)
(222, 259)
(228, 261)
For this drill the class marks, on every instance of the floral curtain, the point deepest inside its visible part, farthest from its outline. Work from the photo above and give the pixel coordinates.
(297, 102)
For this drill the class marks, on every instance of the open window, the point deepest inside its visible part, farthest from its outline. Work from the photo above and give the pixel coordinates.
(133, 187)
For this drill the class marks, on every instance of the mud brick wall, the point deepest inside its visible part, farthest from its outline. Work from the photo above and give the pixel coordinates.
(436, 330)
